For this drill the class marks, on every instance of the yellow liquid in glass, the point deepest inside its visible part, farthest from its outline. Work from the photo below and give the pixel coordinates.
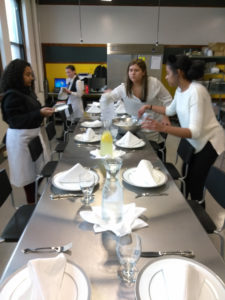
(106, 144)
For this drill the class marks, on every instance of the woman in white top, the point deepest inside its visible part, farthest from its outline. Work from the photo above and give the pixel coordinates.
(74, 90)
(139, 90)
(192, 104)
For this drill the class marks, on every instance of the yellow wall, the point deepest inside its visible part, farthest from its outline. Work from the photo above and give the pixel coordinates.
(57, 70)
(165, 83)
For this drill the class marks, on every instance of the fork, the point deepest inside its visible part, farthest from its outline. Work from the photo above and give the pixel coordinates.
(48, 249)
(150, 194)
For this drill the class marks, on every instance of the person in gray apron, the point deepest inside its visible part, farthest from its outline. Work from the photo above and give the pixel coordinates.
(23, 113)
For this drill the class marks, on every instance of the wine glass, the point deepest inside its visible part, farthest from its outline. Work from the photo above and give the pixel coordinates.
(128, 250)
(87, 183)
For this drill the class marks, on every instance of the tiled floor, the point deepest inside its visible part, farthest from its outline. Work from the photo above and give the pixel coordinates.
(7, 210)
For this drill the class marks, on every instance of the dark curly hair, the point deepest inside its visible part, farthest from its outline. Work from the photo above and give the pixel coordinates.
(192, 69)
(12, 77)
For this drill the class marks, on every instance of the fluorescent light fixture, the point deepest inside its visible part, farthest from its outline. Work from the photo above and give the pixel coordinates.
(107, 0)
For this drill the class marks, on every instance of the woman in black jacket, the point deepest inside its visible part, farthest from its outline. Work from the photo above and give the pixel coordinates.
(23, 113)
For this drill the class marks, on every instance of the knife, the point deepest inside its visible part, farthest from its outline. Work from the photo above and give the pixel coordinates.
(187, 253)
(58, 249)
(63, 196)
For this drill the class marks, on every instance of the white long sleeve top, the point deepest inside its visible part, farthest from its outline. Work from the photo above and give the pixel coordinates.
(194, 110)
(157, 95)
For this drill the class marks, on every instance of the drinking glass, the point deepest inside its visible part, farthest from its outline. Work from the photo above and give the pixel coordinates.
(87, 183)
(128, 250)
(114, 132)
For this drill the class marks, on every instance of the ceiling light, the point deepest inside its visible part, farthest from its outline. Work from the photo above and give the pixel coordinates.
(107, 0)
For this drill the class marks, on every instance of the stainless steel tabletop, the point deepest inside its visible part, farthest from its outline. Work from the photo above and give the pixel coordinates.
(172, 226)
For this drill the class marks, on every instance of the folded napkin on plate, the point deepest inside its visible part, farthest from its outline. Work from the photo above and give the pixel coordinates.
(145, 175)
(120, 108)
(129, 221)
(115, 154)
(95, 123)
(46, 275)
(72, 175)
(94, 108)
(129, 140)
(89, 135)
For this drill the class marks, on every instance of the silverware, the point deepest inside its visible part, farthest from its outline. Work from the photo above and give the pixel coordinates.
(150, 194)
(63, 196)
(186, 253)
(48, 249)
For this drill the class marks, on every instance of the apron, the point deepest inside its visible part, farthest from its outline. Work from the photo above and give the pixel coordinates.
(22, 169)
(77, 106)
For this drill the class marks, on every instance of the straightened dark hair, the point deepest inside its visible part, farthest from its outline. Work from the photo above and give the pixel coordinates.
(192, 69)
(129, 83)
(12, 77)
(71, 67)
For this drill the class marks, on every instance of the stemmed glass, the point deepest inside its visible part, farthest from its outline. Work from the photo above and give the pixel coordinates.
(87, 183)
(128, 250)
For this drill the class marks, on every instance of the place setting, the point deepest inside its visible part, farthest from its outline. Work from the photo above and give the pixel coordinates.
(92, 124)
(89, 136)
(47, 278)
(77, 179)
(130, 141)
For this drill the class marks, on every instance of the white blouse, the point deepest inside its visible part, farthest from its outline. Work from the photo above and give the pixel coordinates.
(194, 110)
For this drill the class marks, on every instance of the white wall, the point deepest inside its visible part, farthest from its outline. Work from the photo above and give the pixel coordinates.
(101, 24)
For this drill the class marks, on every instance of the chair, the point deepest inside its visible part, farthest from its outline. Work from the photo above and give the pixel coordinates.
(51, 133)
(161, 148)
(19, 220)
(36, 150)
(215, 184)
(66, 128)
(185, 151)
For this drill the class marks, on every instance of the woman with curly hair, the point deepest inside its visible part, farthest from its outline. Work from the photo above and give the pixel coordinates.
(198, 123)
(23, 113)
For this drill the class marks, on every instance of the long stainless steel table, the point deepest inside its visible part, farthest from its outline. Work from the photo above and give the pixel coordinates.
(172, 226)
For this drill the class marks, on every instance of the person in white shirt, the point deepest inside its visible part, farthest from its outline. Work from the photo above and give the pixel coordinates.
(198, 123)
(75, 91)
(139, 90)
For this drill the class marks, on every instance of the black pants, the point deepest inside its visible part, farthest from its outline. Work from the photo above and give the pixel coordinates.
(198, 171)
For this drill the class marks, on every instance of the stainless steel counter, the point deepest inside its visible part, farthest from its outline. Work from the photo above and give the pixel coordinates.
(172, 226)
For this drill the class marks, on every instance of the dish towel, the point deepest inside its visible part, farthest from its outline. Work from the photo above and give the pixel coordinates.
(120, 108)
(129, 140)
(72, 175)
(129, 221)
(46, 276)
(144, 174)
(115, 154)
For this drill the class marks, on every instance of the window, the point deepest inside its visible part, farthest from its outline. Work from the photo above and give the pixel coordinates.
(15, 29)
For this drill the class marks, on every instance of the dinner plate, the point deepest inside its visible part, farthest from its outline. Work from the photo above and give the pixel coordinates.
(90, 125)
(178, 278)
(75, 285)
(68, 186)
(139, 145)
(79, 138)
(129, 173)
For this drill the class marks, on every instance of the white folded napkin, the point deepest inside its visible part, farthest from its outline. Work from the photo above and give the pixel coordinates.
(129, 221)
(95, 123)
(129, 140)
(46, 275)
(145, 175)
(89, 135)
(94, 108)
(120, 108)
(115, 154)
(72, 175)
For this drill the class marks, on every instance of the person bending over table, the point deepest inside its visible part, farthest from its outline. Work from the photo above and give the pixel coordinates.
(24, 115)
(139, 90)
(192, 104)
(75, 91)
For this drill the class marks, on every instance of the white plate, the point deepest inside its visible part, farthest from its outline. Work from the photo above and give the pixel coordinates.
(61, 107)
(70, 186)
(75, 285)
(139, 145)
(79, 138)
(178, 278)
(127, 177)
(90, 125)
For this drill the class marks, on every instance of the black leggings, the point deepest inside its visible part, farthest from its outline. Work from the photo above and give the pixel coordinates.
(198, 171)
